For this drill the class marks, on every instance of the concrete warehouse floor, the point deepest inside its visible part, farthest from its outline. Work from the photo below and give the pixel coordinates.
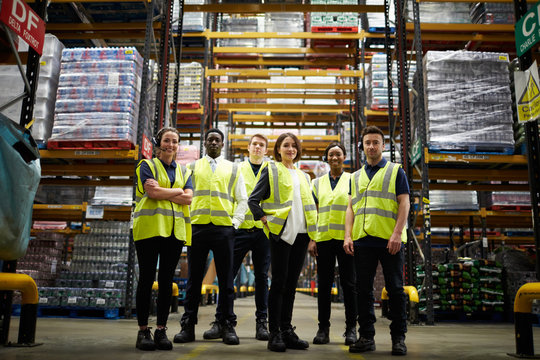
(74, 338)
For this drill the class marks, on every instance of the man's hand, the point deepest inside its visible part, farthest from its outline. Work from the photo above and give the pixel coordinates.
(394, 244)
(312, 248)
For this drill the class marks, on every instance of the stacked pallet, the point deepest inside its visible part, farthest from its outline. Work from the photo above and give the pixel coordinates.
(468, 102)
(97, 104)
(334, 22)
(492, 13)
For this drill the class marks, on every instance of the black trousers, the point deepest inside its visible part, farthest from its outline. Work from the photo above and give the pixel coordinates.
(148, 250)
(287, 263)
(327, 252)
(219, 239)
(253, 240)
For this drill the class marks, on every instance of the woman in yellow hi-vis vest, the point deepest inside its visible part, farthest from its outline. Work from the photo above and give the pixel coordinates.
(283, 201)
(331, 191)
(161, 227)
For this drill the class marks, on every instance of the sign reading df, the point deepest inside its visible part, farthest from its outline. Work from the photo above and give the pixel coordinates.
(528, 30)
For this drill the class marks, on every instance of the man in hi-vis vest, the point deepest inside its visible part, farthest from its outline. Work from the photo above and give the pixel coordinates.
(250, 237)
(218, 208)
(375, 220)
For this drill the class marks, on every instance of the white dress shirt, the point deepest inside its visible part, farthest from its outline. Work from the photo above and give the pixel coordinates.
(296, 221)
(240, 194)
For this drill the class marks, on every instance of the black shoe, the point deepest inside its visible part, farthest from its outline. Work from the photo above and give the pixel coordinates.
(214, 332)
(292, 341)
(261, 331)
(229, 334)
(275, 342)
(322, 336)
(187, 334)
(161, 340)
(144, 340)
(399, 347)
(362, 345)
(350, 335)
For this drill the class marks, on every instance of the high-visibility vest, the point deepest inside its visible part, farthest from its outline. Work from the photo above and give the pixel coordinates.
(161, 217)
(279, 203)
(250, 180)
(213, 192)
(332, 206)
(374, 203)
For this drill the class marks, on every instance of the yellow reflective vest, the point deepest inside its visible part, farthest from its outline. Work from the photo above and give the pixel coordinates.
(332, 206)
(250, 180)
(279, 203)
(374, 203)
(213, 192)
(161, 217)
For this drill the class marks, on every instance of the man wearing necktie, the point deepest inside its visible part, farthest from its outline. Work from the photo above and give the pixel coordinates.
(218, 207)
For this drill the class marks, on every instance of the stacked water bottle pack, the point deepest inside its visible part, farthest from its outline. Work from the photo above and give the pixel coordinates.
(377, 82)
(43, 259)
(98, 96)
(492, 13)
(97, 272)
(189, 84)
(469, 286)
(442, 12)
(276, 22)
(468, 101)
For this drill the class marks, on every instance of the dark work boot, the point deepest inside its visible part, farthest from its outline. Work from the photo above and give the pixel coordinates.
(229, 334)
(362, 345)
(161, 340)
(214, 332)
(261, 331)
(292, 341)
(322, 336)
(187, 334)
(350, 335)
(144, 340)
(398, 346)
(275, 342)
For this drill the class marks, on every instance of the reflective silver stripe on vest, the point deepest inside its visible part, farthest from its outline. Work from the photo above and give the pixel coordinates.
(325, 228)
(231, 182)
(324, 209)
(220, 213)
(221, 195)
(310, 208)
(339, 207)
(275, 220)
(312, 228)
(356, 197)
(388, 177)
(273, 206)
(201, 193)
(184, 170)
(380, 194)
(160, 211)
(375, 211)
(276, 183)
(248, 217)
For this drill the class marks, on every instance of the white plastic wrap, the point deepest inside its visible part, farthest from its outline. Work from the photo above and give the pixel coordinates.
(453, 200)
(468, 102)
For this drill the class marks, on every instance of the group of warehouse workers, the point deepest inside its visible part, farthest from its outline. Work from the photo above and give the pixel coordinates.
(277, 212)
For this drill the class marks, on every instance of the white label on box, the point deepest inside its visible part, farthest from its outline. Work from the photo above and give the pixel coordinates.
(114, 79)
(284, 33)
(235, 33)
(94, 212)
(72, 300)
(87, 153)
(53, 266)
(100, 301)
(187, 81)
(109, 284)
(43, 300)
(233, 73)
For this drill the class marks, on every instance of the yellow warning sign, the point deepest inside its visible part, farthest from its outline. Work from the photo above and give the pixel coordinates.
(527, 93)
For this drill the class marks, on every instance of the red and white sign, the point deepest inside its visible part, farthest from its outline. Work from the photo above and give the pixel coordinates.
(146, 150)
(20, 18)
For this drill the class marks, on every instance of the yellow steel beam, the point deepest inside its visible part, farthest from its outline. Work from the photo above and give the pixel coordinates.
(283, 118)
(91, 154)
(244, 8)
(246, 137)
(286, 108)
(501, 38)
(463, 28)
(284, 35)
(282, 86)
(474, 158)
(246, 95)
(484, 175)
(280, 72)
(88, 169)
(283, 62)
(472, 1)
(301, 50)
(86, 182)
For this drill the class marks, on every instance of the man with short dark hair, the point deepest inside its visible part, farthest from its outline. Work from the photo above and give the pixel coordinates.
(218, 208)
